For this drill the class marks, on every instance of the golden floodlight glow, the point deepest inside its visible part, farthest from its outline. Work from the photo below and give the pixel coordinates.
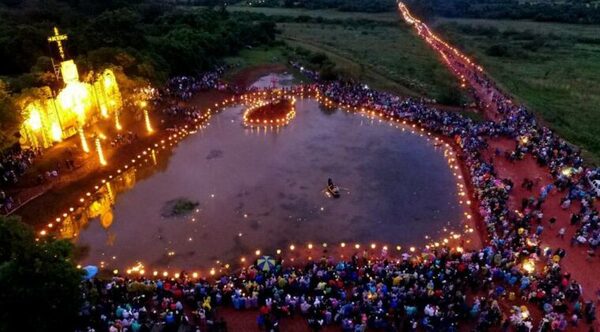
(104, 111)
(147, 121)
(100, 152)
(76, 98)
(34, 121)
(56, 132)
(117, 122)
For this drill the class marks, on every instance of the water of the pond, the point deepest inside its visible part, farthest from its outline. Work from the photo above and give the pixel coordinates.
(264, 189)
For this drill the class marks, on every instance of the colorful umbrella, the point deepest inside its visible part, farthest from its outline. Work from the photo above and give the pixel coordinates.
(265, 263)
(90, 271)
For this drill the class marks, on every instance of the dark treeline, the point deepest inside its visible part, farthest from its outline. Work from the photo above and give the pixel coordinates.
(571, 11)
(514, 43)
(148, 39)
(142, 40)
(369, 6)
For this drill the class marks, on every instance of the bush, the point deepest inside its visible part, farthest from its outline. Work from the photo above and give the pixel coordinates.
(40, 283)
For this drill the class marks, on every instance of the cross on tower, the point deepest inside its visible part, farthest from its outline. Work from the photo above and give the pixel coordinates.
(58, 39)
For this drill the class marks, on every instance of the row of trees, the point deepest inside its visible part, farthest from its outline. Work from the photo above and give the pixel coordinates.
(569, 11)
(161, 39)
(369, 6)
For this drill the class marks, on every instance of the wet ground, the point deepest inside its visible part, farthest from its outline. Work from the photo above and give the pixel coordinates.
(265, 189)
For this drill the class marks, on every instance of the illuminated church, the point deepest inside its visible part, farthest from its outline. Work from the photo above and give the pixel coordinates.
(51, 117)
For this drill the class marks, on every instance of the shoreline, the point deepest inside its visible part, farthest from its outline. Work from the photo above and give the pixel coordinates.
(481, 230)
(302, 253)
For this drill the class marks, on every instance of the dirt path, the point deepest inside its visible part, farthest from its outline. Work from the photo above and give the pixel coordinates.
(576, 262)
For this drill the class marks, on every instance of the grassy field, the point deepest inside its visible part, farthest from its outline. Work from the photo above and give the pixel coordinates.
(552, 68)
(389, 58)
(325, 13)
(380, 50)
(256, 57)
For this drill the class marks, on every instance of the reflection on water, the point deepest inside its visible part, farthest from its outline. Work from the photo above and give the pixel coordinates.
(264, 189)
(273, 80)
(101, 206)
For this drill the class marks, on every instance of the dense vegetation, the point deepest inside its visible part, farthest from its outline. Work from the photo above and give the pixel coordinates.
(40, 283)
(552, 68)
(566, 11)
(142, 39)
(370, 6)
(148, 39)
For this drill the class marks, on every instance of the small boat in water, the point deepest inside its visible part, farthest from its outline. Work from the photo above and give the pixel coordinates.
(333, 189)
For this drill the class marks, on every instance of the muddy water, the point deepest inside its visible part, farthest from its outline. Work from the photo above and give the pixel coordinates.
(265, 189)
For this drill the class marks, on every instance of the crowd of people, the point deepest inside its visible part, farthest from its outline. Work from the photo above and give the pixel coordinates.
(124, 139)
(440, 288)
(13, 164)
(184, 87)
(436, 289)
(571, 178)
(170, 100)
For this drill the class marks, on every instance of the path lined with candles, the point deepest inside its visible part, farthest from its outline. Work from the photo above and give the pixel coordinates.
(498, 106)
(297, 253)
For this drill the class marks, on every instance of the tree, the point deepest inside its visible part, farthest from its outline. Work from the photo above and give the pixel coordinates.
(39, 281)
(10, 118)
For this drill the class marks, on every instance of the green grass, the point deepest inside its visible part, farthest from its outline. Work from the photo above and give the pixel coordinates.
(552, 68)
(257, 57)
(325, 13)
(380, 50)
(385, 57)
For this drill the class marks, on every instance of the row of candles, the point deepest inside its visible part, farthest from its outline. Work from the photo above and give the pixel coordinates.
(249, 118)
(310, 249)
(444, 48)
(254, 99)
(438, 44)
